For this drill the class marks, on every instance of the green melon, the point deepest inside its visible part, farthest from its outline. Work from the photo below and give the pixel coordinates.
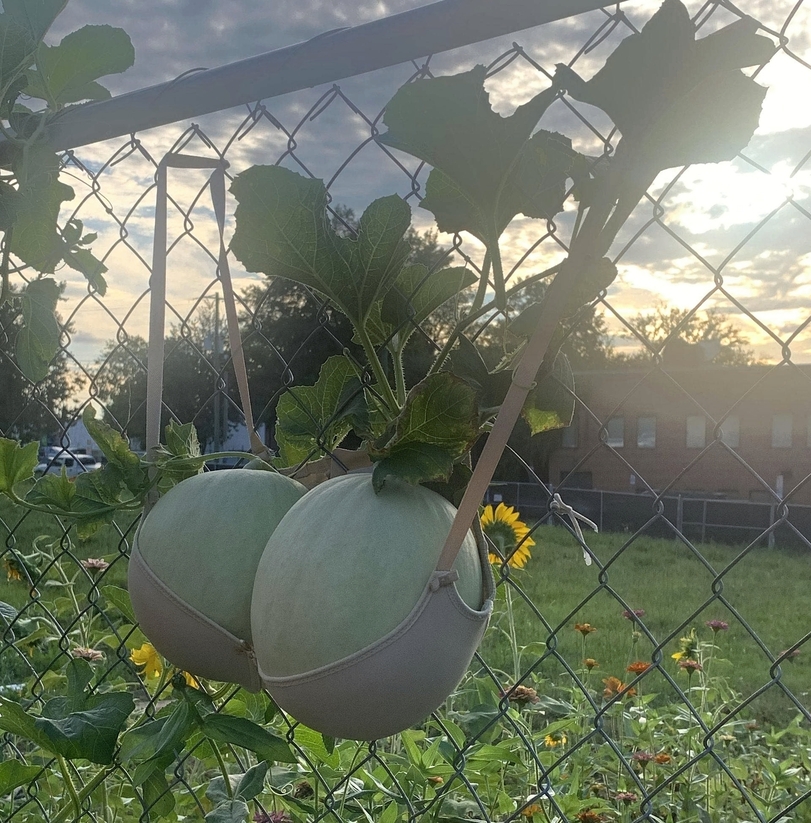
(194, 562)
(345, 567)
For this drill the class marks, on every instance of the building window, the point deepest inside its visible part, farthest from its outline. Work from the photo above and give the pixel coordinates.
(781, 431)
(615, 432)
(696, 431)
(731, 431)
(570, 439)
(646, 432)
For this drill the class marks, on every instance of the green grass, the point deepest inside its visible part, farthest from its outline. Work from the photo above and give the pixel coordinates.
(768, 588)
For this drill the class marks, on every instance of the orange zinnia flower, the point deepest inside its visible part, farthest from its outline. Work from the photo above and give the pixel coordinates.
(615, 687)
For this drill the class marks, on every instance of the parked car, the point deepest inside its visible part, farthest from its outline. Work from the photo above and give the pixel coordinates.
(73, 465)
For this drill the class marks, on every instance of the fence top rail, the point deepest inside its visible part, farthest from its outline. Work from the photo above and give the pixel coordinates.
(328, 57)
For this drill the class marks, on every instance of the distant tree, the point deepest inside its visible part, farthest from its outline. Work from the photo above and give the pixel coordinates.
(707, 336)
(27, 411)
(190, 381)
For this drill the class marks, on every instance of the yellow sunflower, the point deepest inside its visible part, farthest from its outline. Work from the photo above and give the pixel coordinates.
(509, 534)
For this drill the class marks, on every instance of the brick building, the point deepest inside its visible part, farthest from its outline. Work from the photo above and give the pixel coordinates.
(730, 431)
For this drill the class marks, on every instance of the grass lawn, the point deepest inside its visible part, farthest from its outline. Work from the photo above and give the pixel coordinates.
(763, 595)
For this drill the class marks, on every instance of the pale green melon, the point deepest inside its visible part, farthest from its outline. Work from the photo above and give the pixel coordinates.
(345, 566)
(202, 541)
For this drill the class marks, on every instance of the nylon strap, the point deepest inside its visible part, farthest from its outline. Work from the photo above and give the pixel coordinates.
(523, 381)
(157, 309)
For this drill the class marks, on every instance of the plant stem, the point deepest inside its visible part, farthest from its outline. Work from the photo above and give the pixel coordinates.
(399, 375)
(87, 790)
(475, 314)
(75, 801)
(377, 369)
(478, 301)
(498, 275)
(223, 770)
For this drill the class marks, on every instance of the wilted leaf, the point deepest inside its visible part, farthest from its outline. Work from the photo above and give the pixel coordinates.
(93, 269)
(590, 283)
(550, 404)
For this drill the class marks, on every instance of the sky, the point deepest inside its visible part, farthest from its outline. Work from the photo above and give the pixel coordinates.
(712, 213)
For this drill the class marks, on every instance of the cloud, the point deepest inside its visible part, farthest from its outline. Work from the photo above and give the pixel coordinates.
(707, 212)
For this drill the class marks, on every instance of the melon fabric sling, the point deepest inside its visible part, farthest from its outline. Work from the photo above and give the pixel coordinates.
(195, 637)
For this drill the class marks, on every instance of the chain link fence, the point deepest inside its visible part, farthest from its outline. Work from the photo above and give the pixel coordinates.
(555, 721)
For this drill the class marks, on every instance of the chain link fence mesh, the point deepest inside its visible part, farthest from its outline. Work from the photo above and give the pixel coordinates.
(536, 731)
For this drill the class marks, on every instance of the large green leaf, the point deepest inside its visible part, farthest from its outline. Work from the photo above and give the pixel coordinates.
(17, 463)
(67, 73)
(242, 732)
(17, 48)
(316, 418)
(38, 339)
(14, 719)
(486, 168)
(678, 99)
(442, 410)
(117, 451)
(415, 295)
(35, 239)
(35, 17)
(13, 773)
(9, 203)
(88, 499)
(415, 463)
(282, 229)
(231, 811)
(535, 186)
(90, 731)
